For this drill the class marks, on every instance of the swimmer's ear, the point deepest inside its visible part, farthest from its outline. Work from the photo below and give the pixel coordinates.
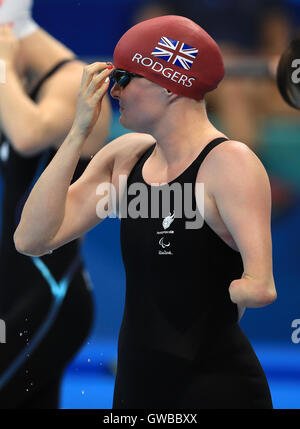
(171, 96)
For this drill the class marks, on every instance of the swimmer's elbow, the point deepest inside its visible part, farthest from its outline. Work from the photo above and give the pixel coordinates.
(27, 248)
(32, 140)
(27, 147)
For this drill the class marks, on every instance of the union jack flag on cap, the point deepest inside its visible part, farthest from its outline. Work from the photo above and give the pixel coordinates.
(175, 52)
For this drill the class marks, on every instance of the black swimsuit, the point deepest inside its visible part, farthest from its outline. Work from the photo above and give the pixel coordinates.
(45, 302)
(180, 344)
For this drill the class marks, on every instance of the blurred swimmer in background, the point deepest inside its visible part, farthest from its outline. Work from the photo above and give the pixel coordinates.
(46, 302)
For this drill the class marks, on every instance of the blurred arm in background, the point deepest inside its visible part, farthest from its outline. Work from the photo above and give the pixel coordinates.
(35, 125)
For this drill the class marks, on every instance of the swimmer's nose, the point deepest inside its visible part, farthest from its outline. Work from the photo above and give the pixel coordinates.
(115, 91)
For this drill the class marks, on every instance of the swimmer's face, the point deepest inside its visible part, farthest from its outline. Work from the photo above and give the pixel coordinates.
(142, 104)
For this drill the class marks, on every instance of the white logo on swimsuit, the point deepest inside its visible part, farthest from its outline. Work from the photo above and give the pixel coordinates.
(163, 245)
(168, 220)
(4, 151)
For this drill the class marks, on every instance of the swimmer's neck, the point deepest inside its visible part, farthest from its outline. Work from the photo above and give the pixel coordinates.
(40, 52)
(182, 132)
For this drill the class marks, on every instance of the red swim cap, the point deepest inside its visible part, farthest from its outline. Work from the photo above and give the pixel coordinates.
(173, 52)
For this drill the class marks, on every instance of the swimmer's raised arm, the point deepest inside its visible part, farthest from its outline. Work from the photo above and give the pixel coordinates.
(51, 215)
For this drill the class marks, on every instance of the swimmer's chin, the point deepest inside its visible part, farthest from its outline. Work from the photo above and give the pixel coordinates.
(131, 127)
(124, 124)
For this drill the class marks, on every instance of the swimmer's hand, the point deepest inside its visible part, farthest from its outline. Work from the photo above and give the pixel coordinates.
(9, 45)
(94, 85)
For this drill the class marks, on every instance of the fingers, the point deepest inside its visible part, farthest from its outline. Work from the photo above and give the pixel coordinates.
(90, 71)
(97, 80)
(99, 94)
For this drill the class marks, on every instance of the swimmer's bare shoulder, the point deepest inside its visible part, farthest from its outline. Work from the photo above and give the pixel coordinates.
(120, 155)
(63, 79)
(231, 159)
(128, 150)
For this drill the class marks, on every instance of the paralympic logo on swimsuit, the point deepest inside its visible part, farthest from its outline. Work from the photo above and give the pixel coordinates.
(115, 203)
(2, 331)
(163, 245)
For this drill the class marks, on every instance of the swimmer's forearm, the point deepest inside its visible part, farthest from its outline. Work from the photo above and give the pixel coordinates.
(44, 209)
(248, 292)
